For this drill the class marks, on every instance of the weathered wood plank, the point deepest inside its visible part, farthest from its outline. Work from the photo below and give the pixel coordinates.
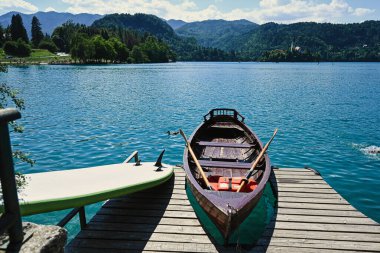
(324, 219)
(144, 245)
(301, 181)
(322, 235)
(279, 249)
(307, 185)
(157, 228)
(145, 220)
(282, 188)
(316, 212)
(164, 190)
(148, 206)
(143, 236)
(293, 171)
(319, 244)
(309, 195)
(315, 206)
(170, 201)
(163, 196)
(336, 201)
(147, 213)
(298, 176)
(324, 227)
(69, 249)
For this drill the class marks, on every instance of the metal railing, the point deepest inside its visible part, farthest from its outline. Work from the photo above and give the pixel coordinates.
(10, 221)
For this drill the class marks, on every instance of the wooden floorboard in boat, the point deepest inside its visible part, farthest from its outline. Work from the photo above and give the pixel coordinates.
(309, 217)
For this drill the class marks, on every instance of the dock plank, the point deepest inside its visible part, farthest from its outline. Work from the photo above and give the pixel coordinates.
(310, 217)
(320, 244)
(316, 212)
(144, 220)
(324, 219)
(309, 195)
(160, 228)
(322, 235)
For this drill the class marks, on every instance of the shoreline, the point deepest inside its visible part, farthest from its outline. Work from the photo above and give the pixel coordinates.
(43, 63)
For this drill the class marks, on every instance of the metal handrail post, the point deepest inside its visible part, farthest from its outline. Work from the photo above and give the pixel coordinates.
(7, 177)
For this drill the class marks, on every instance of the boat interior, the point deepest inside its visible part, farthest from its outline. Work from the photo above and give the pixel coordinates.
(226, 151)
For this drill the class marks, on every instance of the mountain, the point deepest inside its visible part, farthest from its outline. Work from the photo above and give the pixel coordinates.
(216, 33)
(176, 23)
(139, 22)
(49, 20)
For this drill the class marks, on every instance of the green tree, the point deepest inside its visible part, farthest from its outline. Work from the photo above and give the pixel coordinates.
(17, 48)
(138, 56)
(10, 47)
(122, 52)
(110, 51)
(82, 49)
(2, 36)
(155, 50)
(63, 35)
(37, 34)
(104, 49)
(17, 29)
(48, 44)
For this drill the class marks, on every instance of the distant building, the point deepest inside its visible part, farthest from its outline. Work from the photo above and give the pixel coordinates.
(62, 54)
(294, 48)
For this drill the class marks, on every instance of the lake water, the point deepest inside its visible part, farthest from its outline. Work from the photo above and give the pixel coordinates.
(328, 116)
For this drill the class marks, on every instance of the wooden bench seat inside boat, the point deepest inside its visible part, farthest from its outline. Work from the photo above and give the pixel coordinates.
(224, 144)
(221, 164)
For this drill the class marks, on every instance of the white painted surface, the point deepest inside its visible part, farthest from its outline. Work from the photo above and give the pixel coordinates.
(79, 182)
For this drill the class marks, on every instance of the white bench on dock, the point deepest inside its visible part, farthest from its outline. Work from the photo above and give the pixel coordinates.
(310, 217)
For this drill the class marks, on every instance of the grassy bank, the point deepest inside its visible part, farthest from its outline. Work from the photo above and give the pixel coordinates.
(38, 56)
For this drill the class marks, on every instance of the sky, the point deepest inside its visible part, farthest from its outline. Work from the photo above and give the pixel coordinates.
(260, 11)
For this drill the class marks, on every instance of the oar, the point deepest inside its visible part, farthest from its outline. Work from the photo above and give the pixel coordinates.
(257, 161)
(196, 160)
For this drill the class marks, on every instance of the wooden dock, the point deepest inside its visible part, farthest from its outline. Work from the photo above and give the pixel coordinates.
(310, 217)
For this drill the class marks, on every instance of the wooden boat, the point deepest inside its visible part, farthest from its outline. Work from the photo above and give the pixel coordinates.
(226, 148)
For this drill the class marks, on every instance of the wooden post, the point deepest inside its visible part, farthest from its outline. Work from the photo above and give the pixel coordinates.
(12, 215)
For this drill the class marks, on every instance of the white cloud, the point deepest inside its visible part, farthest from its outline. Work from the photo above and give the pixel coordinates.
(268, 3)
(285, 11)
(360, 12)
(50, 9)
(17, 5)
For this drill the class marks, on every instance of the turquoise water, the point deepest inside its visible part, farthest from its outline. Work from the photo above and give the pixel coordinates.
(327, 115)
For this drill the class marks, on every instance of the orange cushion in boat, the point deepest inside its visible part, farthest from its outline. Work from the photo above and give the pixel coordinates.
(220, 183)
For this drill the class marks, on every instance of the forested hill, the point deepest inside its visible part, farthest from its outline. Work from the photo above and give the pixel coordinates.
(329, 42)
(140, 22)
(217, 33)
(185, 48)
(332, 41)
